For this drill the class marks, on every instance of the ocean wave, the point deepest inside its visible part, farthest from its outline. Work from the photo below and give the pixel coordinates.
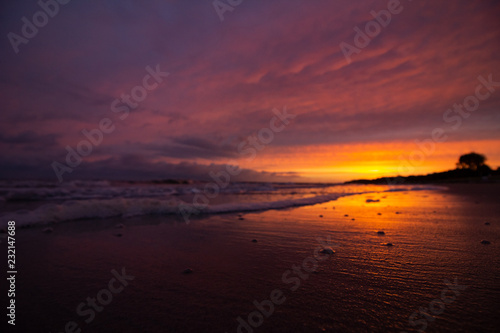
(121, 207)
(92, 208)
(20, 191)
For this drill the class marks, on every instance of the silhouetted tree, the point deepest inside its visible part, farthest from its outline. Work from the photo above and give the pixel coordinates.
(471, 161)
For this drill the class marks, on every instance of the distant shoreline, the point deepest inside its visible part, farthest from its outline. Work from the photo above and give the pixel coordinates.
(450, 176)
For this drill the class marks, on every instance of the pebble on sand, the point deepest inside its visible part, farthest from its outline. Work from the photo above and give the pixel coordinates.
(321, 216)
(254, 241)
(372, 200)
(398, 212)
(380, 232)
(485, 242)
(47, 230)
(187, 271)
(327, 250)
(346, 215)
(486, 223)
(389, 244)
(379, 213)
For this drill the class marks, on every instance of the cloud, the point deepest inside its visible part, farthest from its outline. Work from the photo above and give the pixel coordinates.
(29, 140)
(137, 167)
(227, 77)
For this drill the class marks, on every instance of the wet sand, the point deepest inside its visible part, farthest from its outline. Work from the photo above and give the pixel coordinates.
(366, 286)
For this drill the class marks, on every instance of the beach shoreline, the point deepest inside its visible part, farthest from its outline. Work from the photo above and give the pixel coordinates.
(435, 235)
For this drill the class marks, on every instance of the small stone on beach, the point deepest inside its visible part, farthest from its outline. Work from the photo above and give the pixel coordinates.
(379, 213)
(321, 216)
(346, 215)
(187, 271)
(254, 241)
(380, 233)
(389, 244)
(487, 223)
(327, 250)
(485, 242)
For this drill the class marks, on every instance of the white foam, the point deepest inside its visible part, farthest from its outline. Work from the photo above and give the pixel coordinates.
(91, 209)
(100, 209)
(159, 200)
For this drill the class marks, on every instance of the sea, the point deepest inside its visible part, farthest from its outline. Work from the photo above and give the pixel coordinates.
(44, 202)
(248, 257)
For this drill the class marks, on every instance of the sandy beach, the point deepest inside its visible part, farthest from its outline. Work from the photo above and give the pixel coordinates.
(270, 260)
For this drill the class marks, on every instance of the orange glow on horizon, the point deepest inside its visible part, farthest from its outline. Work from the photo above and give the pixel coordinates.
(338, 163)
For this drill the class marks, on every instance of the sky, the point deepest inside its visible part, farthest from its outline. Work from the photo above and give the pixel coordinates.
(285, 90)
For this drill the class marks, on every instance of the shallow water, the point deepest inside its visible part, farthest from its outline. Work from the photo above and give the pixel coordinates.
(364, 287)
